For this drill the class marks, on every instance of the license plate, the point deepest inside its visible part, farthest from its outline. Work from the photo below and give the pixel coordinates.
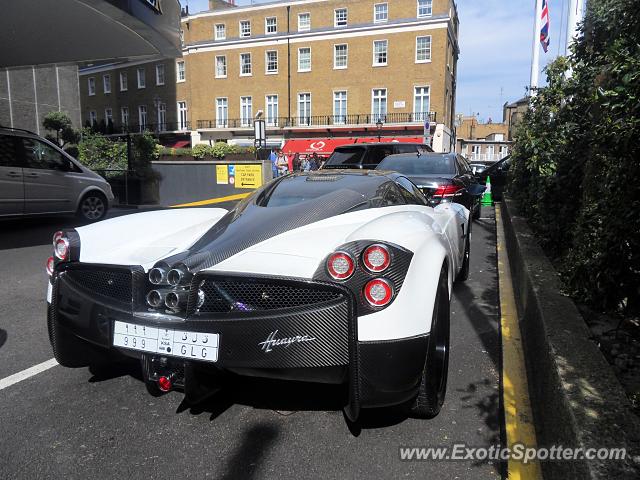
(167, 341)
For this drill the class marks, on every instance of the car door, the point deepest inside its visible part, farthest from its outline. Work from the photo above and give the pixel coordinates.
(49, 186)
(11, 184)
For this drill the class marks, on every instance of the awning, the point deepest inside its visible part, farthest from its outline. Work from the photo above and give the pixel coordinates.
(321, 146)
(180, 144)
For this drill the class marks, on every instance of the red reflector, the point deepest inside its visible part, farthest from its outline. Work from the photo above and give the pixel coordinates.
(445, 190)
(50, 265)
(376, 258)
(164, 384)
(57, 236)
(378, 292)
(340, 265)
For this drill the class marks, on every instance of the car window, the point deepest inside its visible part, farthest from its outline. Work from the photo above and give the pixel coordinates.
(420, 165)
(410, 192)
(376, 154)
(8, 157)
(40, 155)
(406, 148)
(346, 157)
(391, 195)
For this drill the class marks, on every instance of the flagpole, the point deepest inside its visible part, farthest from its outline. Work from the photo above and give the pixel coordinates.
(575, 16)
(535, 57)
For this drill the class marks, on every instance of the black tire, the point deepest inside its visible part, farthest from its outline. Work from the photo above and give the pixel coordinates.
(433, 385)
(464, 271)
(93, 207)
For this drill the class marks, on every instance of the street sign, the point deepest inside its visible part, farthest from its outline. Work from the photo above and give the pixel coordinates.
(222, 175)
(248, 176)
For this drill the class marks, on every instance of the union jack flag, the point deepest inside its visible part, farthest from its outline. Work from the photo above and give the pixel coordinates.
(544, 31)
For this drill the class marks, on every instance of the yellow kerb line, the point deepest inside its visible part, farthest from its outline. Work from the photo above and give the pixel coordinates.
(213, 201)
(517, 406)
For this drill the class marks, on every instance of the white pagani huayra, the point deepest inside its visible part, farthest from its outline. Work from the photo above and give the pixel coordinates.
(337, 277)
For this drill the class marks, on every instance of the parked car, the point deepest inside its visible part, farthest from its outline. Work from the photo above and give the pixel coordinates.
(200, 295)
(369, 155)
(39, 178)
(477, 168)
(442, 177)
(498, 174)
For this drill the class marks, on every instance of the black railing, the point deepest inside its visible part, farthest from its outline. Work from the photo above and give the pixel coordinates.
(321, 120)
(122, 129)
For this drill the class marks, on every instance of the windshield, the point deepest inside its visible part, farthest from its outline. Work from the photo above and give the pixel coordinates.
(346, 157)
(294, 190)
(420, 165)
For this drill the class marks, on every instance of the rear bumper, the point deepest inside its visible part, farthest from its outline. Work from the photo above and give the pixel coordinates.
(314, 344)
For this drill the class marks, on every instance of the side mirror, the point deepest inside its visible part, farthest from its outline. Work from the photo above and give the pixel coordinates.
(475, 189)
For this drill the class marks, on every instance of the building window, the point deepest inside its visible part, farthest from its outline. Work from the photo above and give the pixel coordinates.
(380, 12)
(423, 49)
(421, 104)
(162, 117)
(246, 111)
(160, 74)
(124, 116)
(271, 60)
(304, 108)
(425, 8)
(180, 72)
(272, 110)
(142, 117)
(304, 22)
(182, 116)
(221, 66)
(245, 28)
(91, 85)
(340, 108)
(340, 17)
(220, 31)
(340, 56)
(304, 59)
(93, 118)
(245, 64)
(380, 49)
(142, 82)
(108, 117)
(106, 83)
(222, 112)
(504, 151)
(124, 82)
(379, 104)
(270, 25)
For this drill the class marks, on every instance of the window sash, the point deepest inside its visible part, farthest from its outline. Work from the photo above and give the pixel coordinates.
(272, 61)
(222, 112)
(304, 59)
(379, 104)
(221, 66)
(245, 28)
(380, 52)
(124, 82)
(159, 74)
(425, 8)
(339, 107)
(272, 110)
(341, 17)
(304, 22)
(381, 12)
(245, 64)
(271, 25)
(246, 111)
(142, 81)
(341, 56)
(423, 49)
(304, 108)
(220, 31)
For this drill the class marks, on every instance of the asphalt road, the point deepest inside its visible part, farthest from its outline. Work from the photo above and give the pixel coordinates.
(66, 423)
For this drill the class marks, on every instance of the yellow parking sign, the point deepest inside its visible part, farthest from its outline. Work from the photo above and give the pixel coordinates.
(248, 176)
(222, 175)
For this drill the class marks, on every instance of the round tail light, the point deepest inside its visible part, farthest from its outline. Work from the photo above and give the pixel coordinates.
(378, 292)
(51, 263)
(165, 384)
(340, 265)
(376, 258)
(57, 236)
(61, 249)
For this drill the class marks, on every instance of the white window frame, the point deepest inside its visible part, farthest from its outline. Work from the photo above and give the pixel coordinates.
(215, 67)
(266, 63)
(266, 25)
(108, 115)
(181, 71)
(246, 110)
(93, 118)
(302, 70)
(142, 113)
(304, 28)
(183, 115)
(222, 121)
(335, 56)
(336, 23)
(428, 5)
(91, 86)
(161, 117)
(376, 115)
(386, 53)
(124, 85)
(375, 13)
(106, 83)
(143, 77)
(216, 35)
(160, 68)
(337, 114)
(241, 33)
(504, 151)
(426, 60)
(124, 116)
(250, 65)
(421, 116)
(272, 120)
(300, 117)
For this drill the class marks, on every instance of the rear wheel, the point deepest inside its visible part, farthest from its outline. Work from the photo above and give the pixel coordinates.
(433, 385)
(93, 207)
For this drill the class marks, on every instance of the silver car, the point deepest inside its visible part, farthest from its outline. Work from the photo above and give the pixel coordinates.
(39, 178)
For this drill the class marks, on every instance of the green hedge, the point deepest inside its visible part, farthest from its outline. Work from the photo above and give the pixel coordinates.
(576, 169)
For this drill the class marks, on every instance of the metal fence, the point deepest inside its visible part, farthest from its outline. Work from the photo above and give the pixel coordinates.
(123, 129)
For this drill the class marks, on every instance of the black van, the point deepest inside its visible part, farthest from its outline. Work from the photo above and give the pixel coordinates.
(369, 155)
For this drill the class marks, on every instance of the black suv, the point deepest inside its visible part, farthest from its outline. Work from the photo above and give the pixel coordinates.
(369, 155)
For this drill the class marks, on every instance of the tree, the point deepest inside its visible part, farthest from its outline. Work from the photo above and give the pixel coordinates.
(60, 123)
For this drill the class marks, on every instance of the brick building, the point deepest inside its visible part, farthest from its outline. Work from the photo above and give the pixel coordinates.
(482, 142)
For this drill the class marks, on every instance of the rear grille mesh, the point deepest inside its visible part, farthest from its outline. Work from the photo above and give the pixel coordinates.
(247, 295)
(110, 283)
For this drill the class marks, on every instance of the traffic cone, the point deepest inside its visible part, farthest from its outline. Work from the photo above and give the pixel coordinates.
(487, 199)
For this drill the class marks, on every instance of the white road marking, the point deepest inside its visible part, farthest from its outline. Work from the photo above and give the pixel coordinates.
(28, 373)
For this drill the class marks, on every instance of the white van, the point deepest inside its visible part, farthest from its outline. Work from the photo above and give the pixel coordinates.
(39, 178)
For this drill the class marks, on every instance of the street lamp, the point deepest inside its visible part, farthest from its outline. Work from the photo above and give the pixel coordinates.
(379, 125)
